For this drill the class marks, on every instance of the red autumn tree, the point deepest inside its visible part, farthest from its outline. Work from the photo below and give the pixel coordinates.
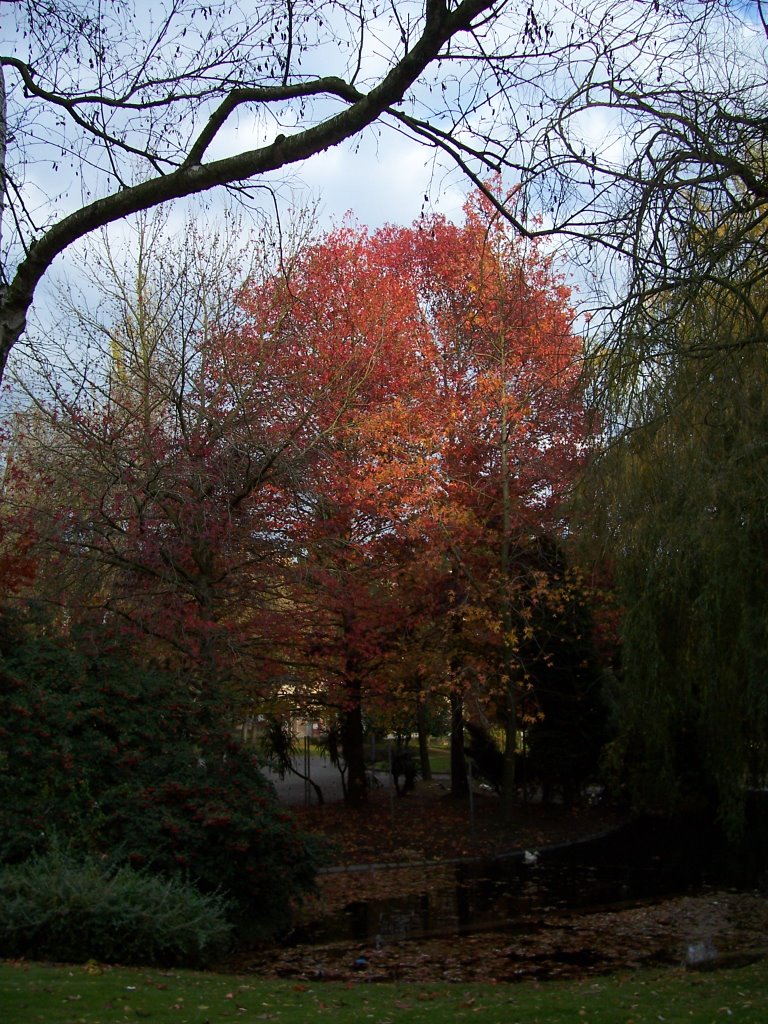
(371, 439)
(511, 436)
(464, 431)
(18, 565)
(505, 436)
(350, 332)
(158, 488)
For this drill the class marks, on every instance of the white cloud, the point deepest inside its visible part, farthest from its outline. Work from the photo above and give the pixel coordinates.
(382, 180)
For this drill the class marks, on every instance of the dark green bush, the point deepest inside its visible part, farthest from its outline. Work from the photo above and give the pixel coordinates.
(123, 761)
(62, 907)
(216, 819)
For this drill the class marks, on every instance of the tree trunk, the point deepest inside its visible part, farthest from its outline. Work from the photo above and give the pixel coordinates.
(196, 174)
(3, 148)
(507, 669)
(352, 746)
(421, 726)
(459, 783)
(510, 741)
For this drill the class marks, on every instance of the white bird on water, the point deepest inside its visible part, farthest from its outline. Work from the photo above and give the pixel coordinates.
(530, 857)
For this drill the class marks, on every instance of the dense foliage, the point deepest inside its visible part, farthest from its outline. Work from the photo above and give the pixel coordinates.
(119, 760)
(683, 495)
(322, 483)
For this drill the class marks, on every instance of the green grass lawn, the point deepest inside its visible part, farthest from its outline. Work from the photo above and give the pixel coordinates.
(33, 993)
(439, 759)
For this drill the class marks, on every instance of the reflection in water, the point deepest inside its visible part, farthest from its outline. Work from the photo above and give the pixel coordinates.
(639, 862)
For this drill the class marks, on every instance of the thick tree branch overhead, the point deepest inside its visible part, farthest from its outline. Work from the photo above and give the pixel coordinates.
(110, 87)
(115, 108)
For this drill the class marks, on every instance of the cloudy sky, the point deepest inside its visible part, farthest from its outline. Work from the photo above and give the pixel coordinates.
(382, 183)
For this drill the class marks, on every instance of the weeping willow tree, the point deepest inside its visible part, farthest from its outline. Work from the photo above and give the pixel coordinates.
(682, 485)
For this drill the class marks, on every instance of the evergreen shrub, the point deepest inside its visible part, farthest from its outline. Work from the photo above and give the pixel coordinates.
(59, 906)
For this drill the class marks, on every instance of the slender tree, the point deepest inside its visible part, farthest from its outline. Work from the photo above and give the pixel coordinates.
(504, 365)
(148, 476)
(350, 333)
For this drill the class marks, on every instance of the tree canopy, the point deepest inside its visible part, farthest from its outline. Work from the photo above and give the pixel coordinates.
(680, 494)
(382, 427)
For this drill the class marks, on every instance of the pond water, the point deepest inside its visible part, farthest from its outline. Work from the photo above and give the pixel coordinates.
(646, 860)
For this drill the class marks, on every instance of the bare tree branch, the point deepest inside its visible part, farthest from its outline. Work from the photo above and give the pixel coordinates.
(612, 120)
(219, 68)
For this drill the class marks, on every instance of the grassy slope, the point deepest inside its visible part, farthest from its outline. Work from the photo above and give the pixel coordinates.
(87, 994)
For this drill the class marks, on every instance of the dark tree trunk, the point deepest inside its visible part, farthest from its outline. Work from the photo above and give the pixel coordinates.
(421, 726)
(459, 783)
(198, 173)
(508, 789)
(352, 745)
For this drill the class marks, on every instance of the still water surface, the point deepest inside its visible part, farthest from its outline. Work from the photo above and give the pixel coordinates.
(646, 860)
